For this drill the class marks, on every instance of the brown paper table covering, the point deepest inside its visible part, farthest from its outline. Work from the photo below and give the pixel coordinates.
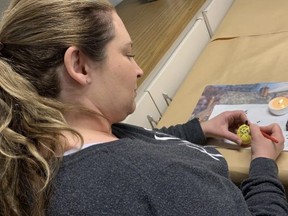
(241, 53)
(254, 17)
(235, 61)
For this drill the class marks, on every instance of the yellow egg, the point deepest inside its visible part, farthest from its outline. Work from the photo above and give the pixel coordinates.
(244, 133)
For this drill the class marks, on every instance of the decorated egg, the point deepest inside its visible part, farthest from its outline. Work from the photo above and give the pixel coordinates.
(244, 133)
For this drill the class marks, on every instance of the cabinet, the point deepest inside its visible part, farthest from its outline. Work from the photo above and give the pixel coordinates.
(215, 12)
(177, 66)
(146, 114)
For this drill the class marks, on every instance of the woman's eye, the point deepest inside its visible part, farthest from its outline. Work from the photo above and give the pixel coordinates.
(130, 56)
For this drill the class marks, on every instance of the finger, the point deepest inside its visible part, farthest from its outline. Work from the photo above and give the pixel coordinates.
(233, 137)
(254, 130)
(267, 128)
(273, 130)
(238, 116)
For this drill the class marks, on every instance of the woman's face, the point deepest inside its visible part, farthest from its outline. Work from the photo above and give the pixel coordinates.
(114, 83)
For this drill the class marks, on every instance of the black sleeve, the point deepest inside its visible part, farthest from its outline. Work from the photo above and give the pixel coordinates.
(190, 131)
(263, 191)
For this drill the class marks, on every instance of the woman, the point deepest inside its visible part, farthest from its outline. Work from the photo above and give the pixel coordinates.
(68, 78)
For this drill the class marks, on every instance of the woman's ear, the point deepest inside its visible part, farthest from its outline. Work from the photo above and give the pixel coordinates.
(74, 61)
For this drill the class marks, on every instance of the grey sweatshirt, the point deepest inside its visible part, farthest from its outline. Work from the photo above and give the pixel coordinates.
(162, 172)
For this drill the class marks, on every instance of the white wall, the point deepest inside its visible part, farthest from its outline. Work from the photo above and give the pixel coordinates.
(3, 5)
(115, 2)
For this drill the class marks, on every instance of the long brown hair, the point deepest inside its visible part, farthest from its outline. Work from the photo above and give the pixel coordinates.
(35, 35)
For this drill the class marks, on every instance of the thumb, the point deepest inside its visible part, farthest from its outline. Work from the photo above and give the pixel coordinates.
(254, 130)
(233, 137)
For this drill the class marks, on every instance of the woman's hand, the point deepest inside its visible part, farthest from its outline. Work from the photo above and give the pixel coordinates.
(263, 147)
(225, 125)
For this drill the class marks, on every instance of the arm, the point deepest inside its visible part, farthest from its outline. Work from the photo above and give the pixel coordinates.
(263, 191)
(224, 125)
(190, 131)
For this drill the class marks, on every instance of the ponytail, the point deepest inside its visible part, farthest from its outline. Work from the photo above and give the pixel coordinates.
(30, 134)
